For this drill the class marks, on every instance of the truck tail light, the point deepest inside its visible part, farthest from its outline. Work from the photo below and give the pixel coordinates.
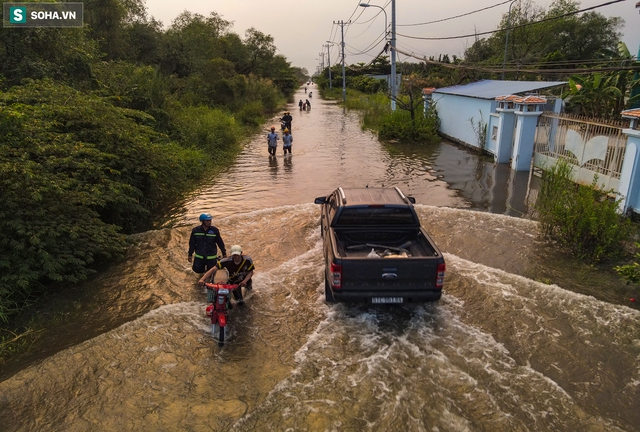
(336, 276)
(440, 277)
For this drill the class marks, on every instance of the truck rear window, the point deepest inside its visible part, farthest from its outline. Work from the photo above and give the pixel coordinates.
(362, 216)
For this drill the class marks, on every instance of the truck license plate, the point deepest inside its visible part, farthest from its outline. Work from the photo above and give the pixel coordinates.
(386, 300)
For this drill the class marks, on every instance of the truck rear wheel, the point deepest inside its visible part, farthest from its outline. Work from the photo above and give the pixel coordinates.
(328, 295)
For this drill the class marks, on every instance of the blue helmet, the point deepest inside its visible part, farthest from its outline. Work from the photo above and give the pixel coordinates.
(205, 216)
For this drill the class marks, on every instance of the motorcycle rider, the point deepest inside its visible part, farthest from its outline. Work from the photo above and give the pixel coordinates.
(240, 269)
(202, 244)
(287, 119)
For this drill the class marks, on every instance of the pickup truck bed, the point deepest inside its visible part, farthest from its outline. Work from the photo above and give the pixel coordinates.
(359, 244)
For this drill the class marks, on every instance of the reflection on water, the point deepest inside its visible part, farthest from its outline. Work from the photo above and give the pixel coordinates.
(330, 149)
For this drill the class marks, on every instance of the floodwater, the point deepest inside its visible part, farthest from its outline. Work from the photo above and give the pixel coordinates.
(523, 338)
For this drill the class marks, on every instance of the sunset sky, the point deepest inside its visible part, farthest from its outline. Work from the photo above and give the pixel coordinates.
(301, 28)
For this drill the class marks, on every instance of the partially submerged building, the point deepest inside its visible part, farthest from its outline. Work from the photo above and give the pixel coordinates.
(464, 109)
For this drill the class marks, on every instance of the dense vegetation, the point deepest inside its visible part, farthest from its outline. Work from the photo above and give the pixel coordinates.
(102, 127)
(581, 219)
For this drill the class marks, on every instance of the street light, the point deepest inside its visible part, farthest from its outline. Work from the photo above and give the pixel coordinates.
(366, 5)
(392, 42)
(506, 39)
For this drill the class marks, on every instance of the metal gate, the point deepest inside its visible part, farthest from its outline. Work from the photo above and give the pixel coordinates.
(592, 147)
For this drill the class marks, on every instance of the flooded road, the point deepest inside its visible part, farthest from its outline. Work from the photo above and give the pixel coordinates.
(523, 339)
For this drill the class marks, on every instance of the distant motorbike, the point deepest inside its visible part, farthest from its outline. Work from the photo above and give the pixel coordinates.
(218, 310)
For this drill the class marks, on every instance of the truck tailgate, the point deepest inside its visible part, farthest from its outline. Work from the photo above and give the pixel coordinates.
(388, 275)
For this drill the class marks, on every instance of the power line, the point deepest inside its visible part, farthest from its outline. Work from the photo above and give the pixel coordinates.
(522, 69)
(457, 16)
(363, 32)
(370, 47)
(514, 27)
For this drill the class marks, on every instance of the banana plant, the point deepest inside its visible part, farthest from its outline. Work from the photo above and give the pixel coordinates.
(597, 95)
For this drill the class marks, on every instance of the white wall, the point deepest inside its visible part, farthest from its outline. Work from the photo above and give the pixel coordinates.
(455, 111)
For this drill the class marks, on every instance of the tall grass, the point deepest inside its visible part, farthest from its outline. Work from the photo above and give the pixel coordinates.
(582, 219)
(390, 125)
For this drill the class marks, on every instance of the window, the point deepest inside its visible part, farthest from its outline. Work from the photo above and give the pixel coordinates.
(494, 133)
(363, 216)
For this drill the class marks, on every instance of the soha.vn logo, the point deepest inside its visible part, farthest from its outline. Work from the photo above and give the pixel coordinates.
(64, 14)
(18, 15)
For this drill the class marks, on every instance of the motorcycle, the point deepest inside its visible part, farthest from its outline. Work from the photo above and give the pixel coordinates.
(219, 296)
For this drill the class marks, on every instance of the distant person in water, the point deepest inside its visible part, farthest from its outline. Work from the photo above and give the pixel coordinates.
(272, 141)
(287, 140)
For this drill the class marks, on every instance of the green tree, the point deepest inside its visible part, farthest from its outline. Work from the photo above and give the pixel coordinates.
(260, 50)
(61, 54)
(106, 21)
(75, 174)
(537, 36)
(411, 95)
(191, 42)
(409, 123)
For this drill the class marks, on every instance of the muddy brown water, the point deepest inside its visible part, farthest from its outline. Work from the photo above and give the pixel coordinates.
(523, 339)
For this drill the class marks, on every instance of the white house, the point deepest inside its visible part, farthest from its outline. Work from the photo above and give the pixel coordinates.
(464, 109)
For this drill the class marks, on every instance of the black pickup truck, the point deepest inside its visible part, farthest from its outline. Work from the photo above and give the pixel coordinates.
(375, 250)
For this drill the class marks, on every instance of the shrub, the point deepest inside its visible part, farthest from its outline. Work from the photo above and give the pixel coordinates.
(212, 130)
(251, 114)
(399, 126)
(631, 271)
(580, 218)
(366, 84)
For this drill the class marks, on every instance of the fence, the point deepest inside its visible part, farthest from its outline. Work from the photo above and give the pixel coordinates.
(593, 147)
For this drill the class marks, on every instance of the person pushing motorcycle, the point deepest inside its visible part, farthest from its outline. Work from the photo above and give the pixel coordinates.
(240, 268)
(202, 244)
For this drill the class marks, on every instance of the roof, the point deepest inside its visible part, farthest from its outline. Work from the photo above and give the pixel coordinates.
(491, 89)
(373, 196)
(631, 113)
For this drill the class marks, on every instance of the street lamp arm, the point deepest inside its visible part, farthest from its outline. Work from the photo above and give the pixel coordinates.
(366, 5)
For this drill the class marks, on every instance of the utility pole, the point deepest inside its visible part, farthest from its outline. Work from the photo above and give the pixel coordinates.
(344, 80)
(329, 61)
(394, 84)
(506, 38)
(636, 90)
